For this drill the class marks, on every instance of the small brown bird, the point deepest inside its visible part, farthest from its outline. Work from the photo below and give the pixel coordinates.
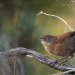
(61, 45)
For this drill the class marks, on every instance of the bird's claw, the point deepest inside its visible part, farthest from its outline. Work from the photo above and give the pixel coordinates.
(59, 63)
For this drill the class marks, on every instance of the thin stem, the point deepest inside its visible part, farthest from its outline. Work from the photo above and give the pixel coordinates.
(56, 17)
(14, 61)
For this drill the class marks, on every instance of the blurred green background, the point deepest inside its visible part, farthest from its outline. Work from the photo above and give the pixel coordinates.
(20, 27)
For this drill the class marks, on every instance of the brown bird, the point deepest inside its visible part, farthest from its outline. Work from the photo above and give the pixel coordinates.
(61, 45)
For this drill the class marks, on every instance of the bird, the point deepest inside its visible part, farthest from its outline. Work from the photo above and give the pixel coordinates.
(61, 45)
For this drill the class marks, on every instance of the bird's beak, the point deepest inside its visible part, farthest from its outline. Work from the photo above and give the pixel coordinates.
(40, 39)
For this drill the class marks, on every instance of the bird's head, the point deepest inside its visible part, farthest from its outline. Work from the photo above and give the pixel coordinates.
(47, 39)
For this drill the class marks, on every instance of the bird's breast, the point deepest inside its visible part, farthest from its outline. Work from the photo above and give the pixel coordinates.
(59, 50)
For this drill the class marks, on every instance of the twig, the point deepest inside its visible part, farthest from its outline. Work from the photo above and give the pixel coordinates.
(56, 17)
(14, 69)
(39, 57)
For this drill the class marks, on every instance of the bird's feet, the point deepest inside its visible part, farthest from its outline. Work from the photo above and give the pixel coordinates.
(61, 63)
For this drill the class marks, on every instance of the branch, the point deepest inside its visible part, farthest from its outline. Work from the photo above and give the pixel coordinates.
(39, 57)
(58, 18)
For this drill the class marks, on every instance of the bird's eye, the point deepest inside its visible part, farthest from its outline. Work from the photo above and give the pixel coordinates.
(48, 40)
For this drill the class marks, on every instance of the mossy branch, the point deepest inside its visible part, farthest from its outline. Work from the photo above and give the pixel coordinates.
(67, 69)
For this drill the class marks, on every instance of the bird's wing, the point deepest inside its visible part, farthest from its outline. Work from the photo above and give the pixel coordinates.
(65, 36)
